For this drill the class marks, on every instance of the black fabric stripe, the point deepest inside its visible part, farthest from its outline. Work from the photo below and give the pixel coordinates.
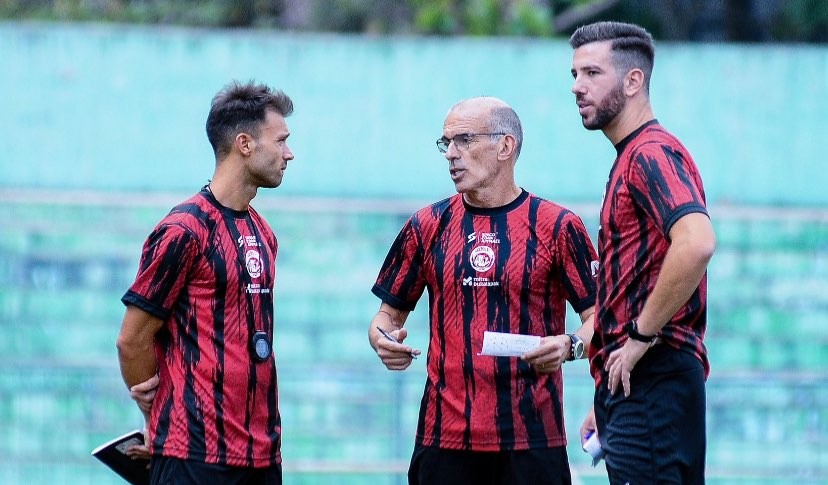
(498, 312)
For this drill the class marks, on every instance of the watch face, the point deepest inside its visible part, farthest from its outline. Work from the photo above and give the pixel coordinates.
(577, 347)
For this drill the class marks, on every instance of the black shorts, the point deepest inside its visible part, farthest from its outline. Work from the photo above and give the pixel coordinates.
(657, 434)
(436, 466)
(165, 470)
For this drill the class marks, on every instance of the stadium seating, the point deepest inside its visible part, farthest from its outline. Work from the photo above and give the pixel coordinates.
(344, 414)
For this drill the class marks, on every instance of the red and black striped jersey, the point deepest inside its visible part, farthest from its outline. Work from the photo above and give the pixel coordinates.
(653, 183)
(208, 271)
(507, 269)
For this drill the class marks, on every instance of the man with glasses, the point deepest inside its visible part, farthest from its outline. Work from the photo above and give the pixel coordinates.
(494, 258)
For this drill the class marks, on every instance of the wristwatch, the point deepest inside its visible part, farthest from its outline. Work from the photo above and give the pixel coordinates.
(632, 332)
(576, 350)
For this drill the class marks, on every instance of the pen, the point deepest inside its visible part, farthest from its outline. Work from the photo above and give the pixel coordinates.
(389, 337)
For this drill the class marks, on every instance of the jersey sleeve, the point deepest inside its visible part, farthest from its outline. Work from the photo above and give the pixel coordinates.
(577, 257)
(664, 184)
(401, 281)
(168, 254)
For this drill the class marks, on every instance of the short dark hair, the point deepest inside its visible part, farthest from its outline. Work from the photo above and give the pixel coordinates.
(632, 45)
(242, 108)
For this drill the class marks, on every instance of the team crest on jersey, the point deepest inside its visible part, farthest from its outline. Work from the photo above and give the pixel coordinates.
(594, 266)
(482, 258)
(253, 262)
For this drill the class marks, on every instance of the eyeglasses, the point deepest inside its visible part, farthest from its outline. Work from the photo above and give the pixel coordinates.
(461, 140)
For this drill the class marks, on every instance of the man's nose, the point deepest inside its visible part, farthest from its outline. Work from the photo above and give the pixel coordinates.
(578, 86)
(452, 152)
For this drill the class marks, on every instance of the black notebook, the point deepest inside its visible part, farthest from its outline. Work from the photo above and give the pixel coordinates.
(113, 454)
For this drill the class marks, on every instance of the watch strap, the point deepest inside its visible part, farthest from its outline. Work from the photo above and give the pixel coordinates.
(633, 333)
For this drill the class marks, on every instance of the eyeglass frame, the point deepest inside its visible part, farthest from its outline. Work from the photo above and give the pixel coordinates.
(443, 143)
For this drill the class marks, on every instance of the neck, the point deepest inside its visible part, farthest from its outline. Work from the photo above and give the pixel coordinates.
(630, 119)
(230, 191)
(489, 199)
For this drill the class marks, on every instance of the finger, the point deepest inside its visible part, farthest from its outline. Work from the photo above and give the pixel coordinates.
(396, 355)
(397, 359)
(609, 362)
(392, 347)
(613, 380)
(399, 364)
(625, 380)
(586, 431)
(138, 451)
(535, 354)
(147, 385)
(146, 397)
(143, 394)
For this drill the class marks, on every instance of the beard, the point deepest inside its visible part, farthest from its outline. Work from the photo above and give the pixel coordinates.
(606, 111)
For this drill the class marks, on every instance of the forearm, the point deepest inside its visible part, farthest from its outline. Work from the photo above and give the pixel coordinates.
(587, 328)
(137, 362)
(680, 276)
(136, 355)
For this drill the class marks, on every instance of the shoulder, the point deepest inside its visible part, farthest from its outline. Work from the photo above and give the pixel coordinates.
(655, 142)
(554, 219)
(196, 208)
(549, 209)
(191, 218)
(438, 210)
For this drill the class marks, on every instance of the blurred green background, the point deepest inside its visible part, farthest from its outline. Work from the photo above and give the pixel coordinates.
(103, 129)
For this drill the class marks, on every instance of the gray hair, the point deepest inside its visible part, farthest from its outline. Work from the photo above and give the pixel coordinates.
(505, 120)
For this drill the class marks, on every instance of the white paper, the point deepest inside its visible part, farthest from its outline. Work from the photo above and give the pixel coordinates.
(593, 447)
(508, 344)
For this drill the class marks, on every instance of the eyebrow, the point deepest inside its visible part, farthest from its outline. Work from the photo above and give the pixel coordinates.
(587, 67)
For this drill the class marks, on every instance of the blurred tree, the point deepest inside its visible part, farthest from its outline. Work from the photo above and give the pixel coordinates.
(689, 20)
(369, 16)
(803, 20)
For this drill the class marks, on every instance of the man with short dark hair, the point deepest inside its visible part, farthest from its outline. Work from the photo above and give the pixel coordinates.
(200, 312)
(655, 241)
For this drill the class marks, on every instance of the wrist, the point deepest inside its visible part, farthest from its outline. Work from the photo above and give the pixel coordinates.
(633, 333)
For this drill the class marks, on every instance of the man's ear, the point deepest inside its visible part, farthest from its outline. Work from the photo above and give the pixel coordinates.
(633, 82)
(507, 148)
(244, 144)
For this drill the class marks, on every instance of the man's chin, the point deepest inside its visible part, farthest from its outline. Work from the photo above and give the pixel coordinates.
(277, 181)
(590, 125)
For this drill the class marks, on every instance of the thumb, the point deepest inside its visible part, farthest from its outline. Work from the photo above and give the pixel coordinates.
(402, 334)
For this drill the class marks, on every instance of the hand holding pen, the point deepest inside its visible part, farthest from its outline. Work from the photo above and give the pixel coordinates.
(388, 336)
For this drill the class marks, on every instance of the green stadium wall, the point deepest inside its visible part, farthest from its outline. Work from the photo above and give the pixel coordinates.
(103, 133)
(122, 108)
